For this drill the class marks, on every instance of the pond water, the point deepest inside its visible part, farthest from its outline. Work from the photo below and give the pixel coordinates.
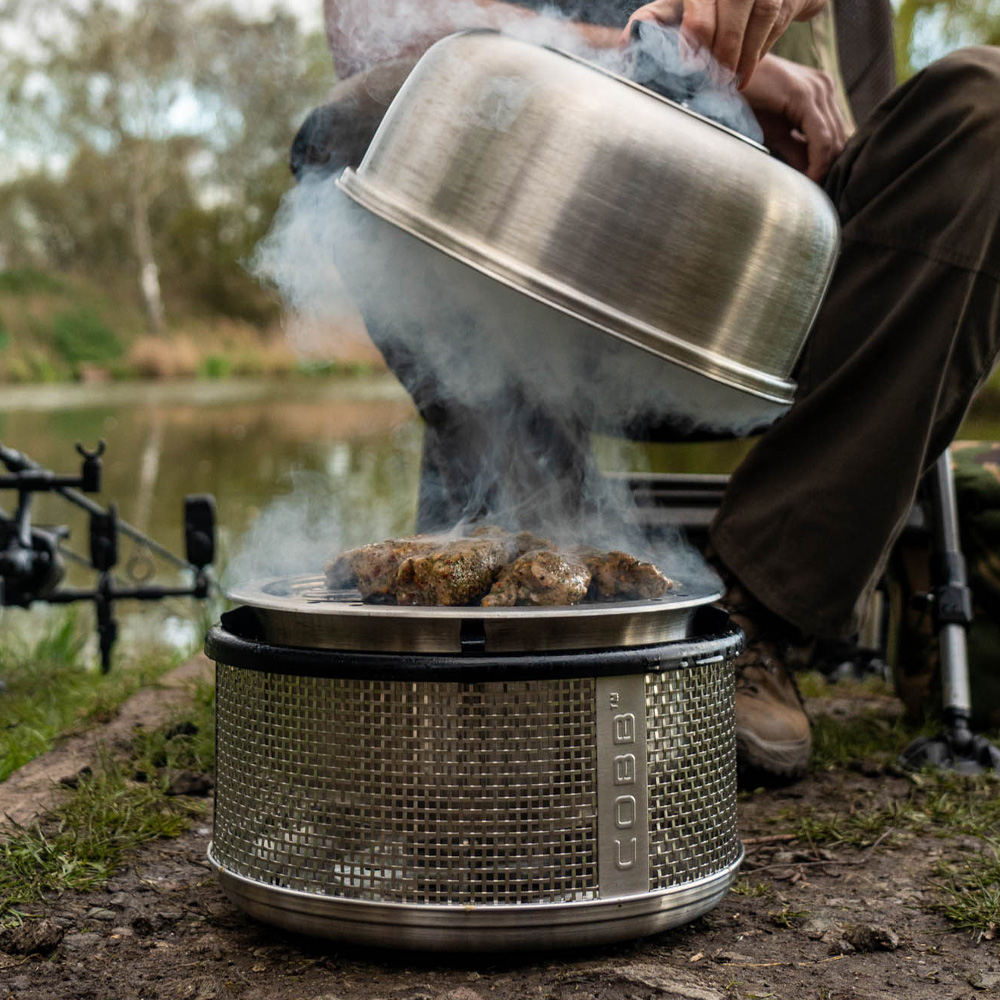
(298, 469)
(249, 443)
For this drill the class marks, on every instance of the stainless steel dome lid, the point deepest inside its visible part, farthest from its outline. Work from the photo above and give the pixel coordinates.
(607, 202)
(302, 612)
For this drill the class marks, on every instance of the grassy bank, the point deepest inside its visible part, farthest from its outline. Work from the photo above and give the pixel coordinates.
(51, 692)
(127, 800)
(54, 329)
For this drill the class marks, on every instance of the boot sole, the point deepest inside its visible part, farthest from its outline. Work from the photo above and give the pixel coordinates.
(789, 759)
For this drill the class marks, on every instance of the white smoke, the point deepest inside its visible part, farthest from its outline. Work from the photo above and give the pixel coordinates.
(374, 31)
(318, 515)
(510, 368)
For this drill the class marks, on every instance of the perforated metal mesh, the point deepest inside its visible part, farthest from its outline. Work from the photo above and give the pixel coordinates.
(403, 792)
(400, 792)
(691, 762)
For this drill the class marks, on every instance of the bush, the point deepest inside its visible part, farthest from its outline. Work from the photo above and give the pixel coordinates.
(41, 369)
(23, 280)
(163, 357)
(215, 366)
(81, 335)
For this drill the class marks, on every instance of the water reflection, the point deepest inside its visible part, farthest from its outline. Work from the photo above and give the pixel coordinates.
(298, 469)
(354, 442)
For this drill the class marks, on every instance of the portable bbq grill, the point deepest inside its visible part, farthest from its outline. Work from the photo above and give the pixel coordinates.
(473, 778)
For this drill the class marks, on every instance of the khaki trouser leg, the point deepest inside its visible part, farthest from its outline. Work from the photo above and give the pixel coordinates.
(909, 330)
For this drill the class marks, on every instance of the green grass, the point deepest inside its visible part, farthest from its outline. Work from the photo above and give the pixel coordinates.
(968, 806)
(333, 367)
(50, 692)
(839, 742)
(969, 894)
(120, 806)
(868, 736)
(752, 890)
(938, 804)
(861, 828)
(787, 917)
(188, 743)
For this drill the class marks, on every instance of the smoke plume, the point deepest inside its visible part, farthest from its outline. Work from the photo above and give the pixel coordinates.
(511, 389)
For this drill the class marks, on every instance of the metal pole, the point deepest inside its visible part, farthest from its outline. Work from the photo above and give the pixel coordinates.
(953, 602)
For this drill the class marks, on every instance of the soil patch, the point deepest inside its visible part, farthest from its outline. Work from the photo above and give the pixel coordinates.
(803, 921)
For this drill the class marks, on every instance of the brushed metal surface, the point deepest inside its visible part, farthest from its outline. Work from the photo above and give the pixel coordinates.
(622, 786)
(302, 612)
(472, 928)
(608, 202)
(468, 815)
(432, 288)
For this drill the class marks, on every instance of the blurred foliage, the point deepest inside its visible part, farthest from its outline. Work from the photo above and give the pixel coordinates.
(25, 280)
(153, 141)
(927, 29)
(82, 335)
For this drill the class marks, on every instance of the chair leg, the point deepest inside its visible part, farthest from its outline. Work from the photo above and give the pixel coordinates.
(956, 747)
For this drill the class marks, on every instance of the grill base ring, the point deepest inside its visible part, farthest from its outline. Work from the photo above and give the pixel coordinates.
(492, 928)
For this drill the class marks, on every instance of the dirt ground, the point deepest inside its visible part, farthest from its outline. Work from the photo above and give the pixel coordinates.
(808, 923)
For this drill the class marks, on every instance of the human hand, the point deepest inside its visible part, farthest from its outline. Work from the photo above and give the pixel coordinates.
(736, 32)
(799, 114)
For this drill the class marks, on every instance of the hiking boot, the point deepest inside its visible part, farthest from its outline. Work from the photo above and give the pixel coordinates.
(773, 733)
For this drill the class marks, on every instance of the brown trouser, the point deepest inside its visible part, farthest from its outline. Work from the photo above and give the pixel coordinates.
(906, 335)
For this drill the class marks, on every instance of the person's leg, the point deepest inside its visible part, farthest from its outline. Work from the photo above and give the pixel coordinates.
(907, 333)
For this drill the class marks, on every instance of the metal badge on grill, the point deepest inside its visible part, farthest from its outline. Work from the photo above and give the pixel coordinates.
(623, 824)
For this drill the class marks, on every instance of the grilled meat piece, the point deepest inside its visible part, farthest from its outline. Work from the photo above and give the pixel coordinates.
(373, 568)
(618, 575)
(456, 572)
(492, 566)
(540, 576)
(523, 541)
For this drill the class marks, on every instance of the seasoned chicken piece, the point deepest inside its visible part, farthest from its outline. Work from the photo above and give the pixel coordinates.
(527, 541)
(541, 576)
(523, 541)
(457, 572)
(620, 575)
(373, 568)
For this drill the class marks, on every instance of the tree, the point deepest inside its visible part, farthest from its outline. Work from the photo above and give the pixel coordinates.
(926, 29)
(144, 105)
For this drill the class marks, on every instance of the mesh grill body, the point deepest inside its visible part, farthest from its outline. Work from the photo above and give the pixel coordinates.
(691, 751)
(460, 794)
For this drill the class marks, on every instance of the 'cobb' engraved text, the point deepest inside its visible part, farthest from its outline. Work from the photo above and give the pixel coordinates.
(624, 834)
